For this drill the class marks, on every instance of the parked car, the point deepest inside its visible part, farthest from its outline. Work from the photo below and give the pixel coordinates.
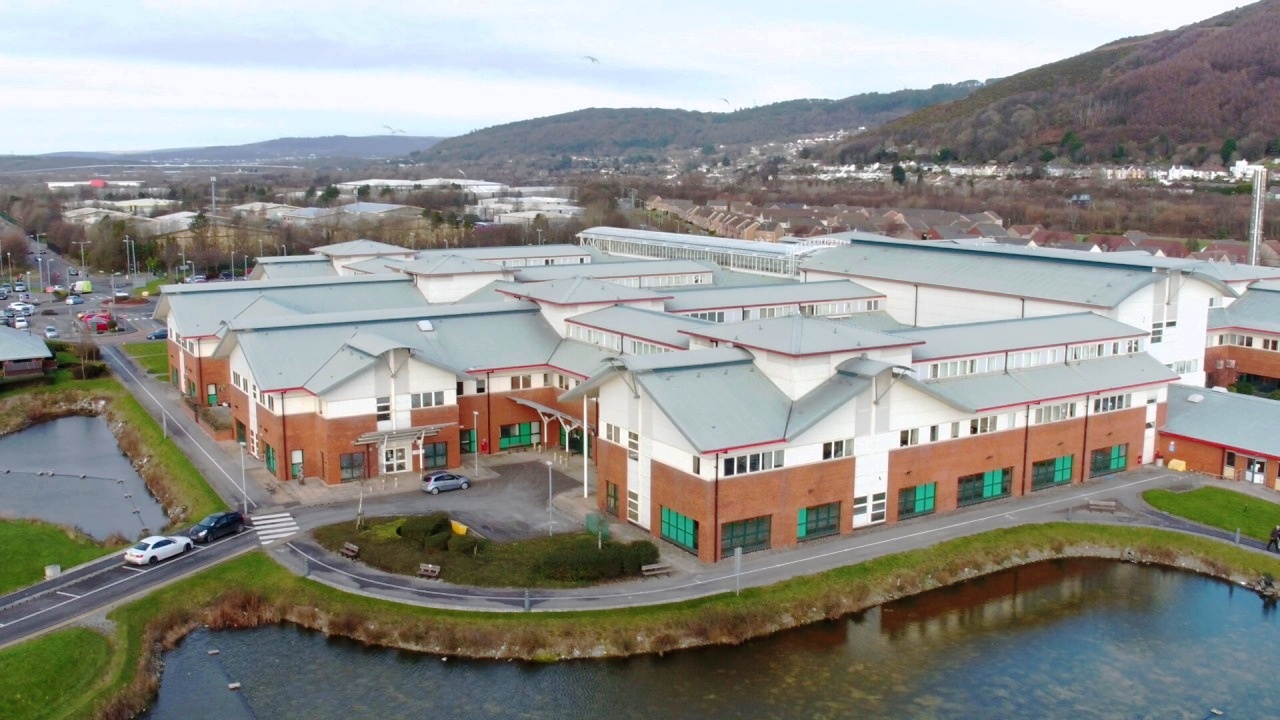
(151, 550)
(20, 323)
(51, 332)
(434, 482)
(121, 295)
(73, 272)
(51, 289)
(161, 334)
(19, 287)
(23, 308)
(75, 300)
(196, 279)
(216, 525)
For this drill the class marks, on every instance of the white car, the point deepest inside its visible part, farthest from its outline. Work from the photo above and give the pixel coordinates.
(151, 550)
(20, 323)
(51, 332)
(23, 308)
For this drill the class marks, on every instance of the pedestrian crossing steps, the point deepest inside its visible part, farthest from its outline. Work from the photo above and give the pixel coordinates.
(274, 527)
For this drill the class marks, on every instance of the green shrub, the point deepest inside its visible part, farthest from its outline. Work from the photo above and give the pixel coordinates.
(582, 561)
(418, 529)
(438, 541)
(637, 554)
(467, 544)
(91, 370)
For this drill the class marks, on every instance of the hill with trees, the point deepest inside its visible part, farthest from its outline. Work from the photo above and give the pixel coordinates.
(606, 132)
(1211, 89)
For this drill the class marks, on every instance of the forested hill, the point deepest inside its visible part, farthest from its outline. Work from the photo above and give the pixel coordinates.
(1184, 95)
(618, 132)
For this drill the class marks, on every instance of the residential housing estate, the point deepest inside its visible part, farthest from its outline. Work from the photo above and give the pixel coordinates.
(730, 393)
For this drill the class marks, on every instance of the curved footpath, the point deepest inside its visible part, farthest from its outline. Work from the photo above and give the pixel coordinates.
(313, 505)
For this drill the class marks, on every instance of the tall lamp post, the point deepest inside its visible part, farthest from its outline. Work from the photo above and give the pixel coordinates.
(40, 269)
(475, 415)
(244, 489)
(83, 270)
(549, 521)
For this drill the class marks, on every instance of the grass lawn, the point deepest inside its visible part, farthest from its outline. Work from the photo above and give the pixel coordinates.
(1220, 508)
(152, 355)
(68, 664)
(511, 564)
(29, 545)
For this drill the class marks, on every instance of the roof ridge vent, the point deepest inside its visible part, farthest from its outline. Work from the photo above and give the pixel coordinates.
(1195, 398)
(426, 326)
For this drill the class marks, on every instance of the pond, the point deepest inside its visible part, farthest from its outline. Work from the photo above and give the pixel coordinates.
(1068, 639)
(40, 470)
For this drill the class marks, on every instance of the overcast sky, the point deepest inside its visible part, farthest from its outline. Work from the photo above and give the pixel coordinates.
(149, 74)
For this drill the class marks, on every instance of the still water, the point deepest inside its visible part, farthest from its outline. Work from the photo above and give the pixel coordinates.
(1070, 639)
(102, 503)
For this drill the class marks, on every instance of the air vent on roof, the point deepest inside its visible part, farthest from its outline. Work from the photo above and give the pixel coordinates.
(1196, 398)
(425, 326)
(1220, 389)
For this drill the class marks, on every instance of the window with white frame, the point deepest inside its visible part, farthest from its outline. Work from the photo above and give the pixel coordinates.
(633, 445)
(1270, 344)
(712, 315)
(981, 425)
(426, 399)
(837, 449)
(907, 438)
(521, 382)
(1055, 413)
(753, 462)
(968, 366)
(613, 433)
(1112, 403)
(382, 408)
(1182, 367)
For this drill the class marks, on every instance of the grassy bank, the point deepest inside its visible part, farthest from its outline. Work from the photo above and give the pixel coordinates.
(152, 355)
(30, 545)
(67, 664)
(1220, 508)
(252, 590)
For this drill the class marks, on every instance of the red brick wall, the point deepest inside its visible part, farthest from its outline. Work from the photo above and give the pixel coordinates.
(1210, 459)
(1251, 361)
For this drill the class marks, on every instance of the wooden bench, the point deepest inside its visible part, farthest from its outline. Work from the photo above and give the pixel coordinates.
(350, 550)
(429, 571)
(659, 568)
(1102, 506)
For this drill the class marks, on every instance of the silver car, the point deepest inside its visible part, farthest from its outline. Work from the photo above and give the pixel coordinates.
(434, 482)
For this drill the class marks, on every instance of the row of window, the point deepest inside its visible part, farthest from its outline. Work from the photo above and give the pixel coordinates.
(752, 534)
(1249, 341)
(1028, 359)
(613, 341)
(352, 465)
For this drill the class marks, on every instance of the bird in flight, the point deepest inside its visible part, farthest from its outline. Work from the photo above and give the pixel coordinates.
(593, 60)
(726, 102)
(393, 131)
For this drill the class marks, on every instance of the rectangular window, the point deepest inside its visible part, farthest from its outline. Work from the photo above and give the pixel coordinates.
(611, 498)
(1055, 413)
(633, 507)
(879, 503)
(435, 455)
(916, 501)
(519, 435)
(269, 457)
(860, 506)
(750, 535)
(633, 445)
(1109, 460)
(351, 466)
(979, 426)
(818, 521)
(697, 465)
(1112, 403)
(1270, 344)
(383, 408)
(481, 387)
(467, 441)
(755, 462)
(295, 464)
(1048, 473)
(836, 449)
(907, 438)
(211, 394)
(990, 485)
(521, 382)
(681, 530)
(426, 399)
(935, 433)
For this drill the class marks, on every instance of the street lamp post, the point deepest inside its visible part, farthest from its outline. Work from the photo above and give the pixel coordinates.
(282, 250)
(83, 270)
(244, 489)
(475, 415)
(40, 271)
(233, 264)
(549, 521)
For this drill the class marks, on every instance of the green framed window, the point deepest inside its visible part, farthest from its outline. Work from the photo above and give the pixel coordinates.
(295, 464)
(351, 466)
(435, 455)
(750, 535)
(982, 487)
(1109, 460)
(818, 521)
(1055, 471)
(467, 439)
(681, 530)
(916, 501)
(611, 498)
(269, 456)
(519, 435)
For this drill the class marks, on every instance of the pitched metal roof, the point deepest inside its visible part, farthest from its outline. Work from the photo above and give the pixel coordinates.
(19, 345)
(376, 265)
(797, 335)
(510, 252)
(451, 264)
(687, 299)
(983, 338)
(577, 291)
(955, 266)
(643, 268)
(993, 391)
(1241, 422)
(1257, 309)
(659, 327)
(361, 247)
(298, 268)
(830, 395)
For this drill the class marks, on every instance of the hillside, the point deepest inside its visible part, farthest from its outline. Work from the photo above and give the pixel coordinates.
(280, 149)
(619, 132)
(1175, 95)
